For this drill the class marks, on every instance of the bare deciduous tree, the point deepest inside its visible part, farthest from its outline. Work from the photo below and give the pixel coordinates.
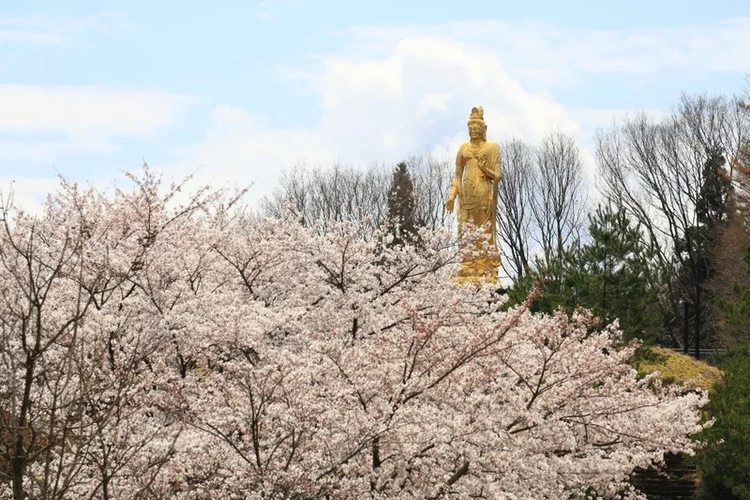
(432, 181)
(515, 198)
(324, 195)
(338, 193)
(657, 171)
(558, 203)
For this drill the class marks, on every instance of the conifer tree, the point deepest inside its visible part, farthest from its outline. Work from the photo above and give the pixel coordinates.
(611, 275)
(402, 207)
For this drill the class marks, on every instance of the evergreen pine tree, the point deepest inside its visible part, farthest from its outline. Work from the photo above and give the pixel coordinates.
(611, 275)
(402, 207)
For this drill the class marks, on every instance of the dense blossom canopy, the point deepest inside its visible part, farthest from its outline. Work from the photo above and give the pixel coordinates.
(158, 350)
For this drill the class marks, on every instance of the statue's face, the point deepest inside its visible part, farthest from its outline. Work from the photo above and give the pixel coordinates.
(475, 131)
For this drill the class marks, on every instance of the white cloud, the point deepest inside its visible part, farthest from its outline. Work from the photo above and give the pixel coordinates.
(391, 92)
(83, 110)
(366, 100)
(240, 150)
(547, 54)
(394, 91)
(591, 119)
(415, 99)
(43, 30)
(267, 10)
(40, 122)
(437, 101)
(34, 149)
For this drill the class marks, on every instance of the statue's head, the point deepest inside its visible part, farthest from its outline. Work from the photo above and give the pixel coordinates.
(477, 127)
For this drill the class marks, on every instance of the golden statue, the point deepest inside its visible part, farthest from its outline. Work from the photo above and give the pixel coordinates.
(475, 185)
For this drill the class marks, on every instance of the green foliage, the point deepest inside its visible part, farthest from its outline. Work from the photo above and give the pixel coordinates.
(553, 275)
(695, 249)
(695, 253)
(611, 275)
(737, 312)
(724, 462)
(711, 206)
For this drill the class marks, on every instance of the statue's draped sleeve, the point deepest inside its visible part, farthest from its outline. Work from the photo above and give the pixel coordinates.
(497, 166)
(493, 162)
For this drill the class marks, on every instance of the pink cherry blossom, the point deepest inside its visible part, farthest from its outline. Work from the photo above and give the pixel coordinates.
(153, 348)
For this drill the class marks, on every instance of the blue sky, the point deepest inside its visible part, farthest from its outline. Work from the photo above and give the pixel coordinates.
(238, 91)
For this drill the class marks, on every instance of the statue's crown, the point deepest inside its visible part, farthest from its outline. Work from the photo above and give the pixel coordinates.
(477, 113)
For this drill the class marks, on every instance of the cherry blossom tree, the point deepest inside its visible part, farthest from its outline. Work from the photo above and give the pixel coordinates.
(153, 348)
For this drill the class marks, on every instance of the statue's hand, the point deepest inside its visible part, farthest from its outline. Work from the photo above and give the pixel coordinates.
(451, 198)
